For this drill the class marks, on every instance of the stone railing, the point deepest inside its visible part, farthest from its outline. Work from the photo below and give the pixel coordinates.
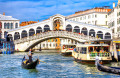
(56, 34)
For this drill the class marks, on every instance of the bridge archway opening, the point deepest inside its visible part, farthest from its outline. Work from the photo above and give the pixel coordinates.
(46, 28)
(69, 28)
(31, 32)
(24, 34)
(9, 37)
(39, 41)
(57, 24)
(38, 30)
(16, 36)
(76, 29)
(92, 33)
(5, 34)
(107, 36)
(84, 31)
(100, 34)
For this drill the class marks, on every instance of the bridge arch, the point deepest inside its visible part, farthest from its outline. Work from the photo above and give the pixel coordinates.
(77, 29)
(31, 32)
(10, 37)
(38, 30)
(24, 34)
(92, 33)
(107, 35)
(84, 31)
(69, 28)
(46, 28)
(100, 34)
(16, 35)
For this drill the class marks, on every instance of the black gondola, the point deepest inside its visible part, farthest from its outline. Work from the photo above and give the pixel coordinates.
(31, 65)
(114, 70)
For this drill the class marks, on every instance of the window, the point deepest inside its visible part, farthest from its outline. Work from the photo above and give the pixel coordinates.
(106, 23)
(16, 25)
(83, 50)
(106, 16)
(11, 26)
(95, 16)
(95, 22)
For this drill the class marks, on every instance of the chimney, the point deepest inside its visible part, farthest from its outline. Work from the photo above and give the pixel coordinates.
(3, 13)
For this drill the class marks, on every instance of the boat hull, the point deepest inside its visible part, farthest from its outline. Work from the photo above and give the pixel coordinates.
(66, 53)
(114, 70)
(31, 65)
(91, 61)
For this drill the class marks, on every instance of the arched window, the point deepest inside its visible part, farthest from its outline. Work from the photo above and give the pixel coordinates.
(38, 30)
(9, 37)
(5, 34)
(69, 28)
(107, 36)
(100, 34)
(46, 28)
(16, 25)
(84, 31)
(77, 29)
(16, 36)
(31, 32)
(11, 26)
(24, 34)
(92, 33)
(5, 25)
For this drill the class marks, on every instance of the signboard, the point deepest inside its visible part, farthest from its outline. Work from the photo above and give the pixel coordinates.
(116, 41)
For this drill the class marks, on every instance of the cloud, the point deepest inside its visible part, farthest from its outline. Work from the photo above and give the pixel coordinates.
(34, 10)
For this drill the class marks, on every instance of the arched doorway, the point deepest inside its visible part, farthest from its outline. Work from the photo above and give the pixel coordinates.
(57, 24)
(92, 33)
(100, 34)
(9, 37)
(77, 29)
(46, 28)
(107, 36)
(84, 31)
(38, 30)
(69, 28)
(16, 36)
(31, 32)
(24, 34)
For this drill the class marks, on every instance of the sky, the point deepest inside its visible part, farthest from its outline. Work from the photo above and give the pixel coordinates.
(34, 10)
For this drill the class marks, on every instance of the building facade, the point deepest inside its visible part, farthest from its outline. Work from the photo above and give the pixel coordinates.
(7, 23)
(96, 16)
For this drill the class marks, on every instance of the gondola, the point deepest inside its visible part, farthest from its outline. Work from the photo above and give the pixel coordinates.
(31, 65)
(114, 70)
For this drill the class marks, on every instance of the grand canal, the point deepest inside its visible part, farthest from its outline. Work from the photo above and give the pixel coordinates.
(56, 66)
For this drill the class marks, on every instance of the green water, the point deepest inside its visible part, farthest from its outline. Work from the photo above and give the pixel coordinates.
(56, 66)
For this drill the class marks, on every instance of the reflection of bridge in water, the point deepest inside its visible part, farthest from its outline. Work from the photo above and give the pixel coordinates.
(25, 44)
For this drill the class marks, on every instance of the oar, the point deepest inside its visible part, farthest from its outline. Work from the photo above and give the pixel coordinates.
(42, 61)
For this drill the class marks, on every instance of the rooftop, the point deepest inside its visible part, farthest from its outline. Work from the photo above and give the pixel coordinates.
(3, 17)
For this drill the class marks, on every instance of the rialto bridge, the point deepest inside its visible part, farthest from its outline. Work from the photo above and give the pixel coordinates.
(56, 26)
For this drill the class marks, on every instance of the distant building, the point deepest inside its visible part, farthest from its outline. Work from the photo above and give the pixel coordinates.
(27, 23)
(114, 20)
(95, 16)
(7, 23)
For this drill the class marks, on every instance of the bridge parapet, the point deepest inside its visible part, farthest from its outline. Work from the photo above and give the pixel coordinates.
(56, 34)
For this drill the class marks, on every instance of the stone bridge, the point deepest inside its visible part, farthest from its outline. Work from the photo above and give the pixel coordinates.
(24, 44)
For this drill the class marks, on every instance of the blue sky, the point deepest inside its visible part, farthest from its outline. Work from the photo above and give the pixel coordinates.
(33, 10)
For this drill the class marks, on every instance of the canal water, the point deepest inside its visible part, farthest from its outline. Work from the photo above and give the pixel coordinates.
(56, 66)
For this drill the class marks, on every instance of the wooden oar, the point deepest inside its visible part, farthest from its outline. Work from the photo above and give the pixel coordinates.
(42, 61)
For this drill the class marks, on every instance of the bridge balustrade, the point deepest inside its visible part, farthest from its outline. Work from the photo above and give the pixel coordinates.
(55, 34)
